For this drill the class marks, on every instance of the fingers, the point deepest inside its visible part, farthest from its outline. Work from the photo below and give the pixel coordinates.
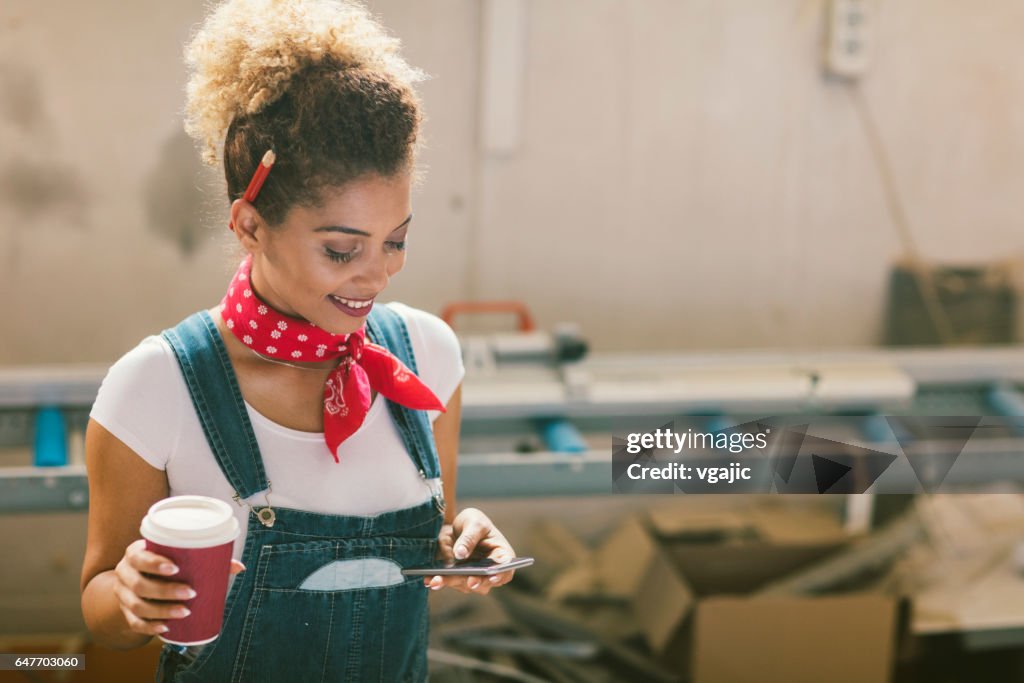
(149, 628)
(236, 567)
(135, 572)
(145, 616)
(445, 544)
(477, 536)
(478, 584)
(472, 533)
(146, 600)
(502, 578)
(469, 584)
(483, 584)
(463, 584)
(145, 561)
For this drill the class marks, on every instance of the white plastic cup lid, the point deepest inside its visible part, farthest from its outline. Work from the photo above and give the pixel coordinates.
(190, 522)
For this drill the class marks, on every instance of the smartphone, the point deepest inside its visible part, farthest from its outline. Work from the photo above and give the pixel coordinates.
(484, 567)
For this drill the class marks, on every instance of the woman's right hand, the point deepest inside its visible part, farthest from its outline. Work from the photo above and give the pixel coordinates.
(148, 602)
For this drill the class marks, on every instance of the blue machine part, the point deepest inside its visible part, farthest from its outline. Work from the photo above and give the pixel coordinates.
(561, 436)
(1006, 400)
(877, 429)
(51, 438)
(720, 423)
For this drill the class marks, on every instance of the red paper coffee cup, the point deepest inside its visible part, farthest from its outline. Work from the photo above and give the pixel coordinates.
(197, 533)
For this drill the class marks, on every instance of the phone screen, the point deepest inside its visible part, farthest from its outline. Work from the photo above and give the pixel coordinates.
(482, 567)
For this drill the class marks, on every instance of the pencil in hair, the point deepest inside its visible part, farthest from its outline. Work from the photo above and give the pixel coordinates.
(259, 176)
(257, 180)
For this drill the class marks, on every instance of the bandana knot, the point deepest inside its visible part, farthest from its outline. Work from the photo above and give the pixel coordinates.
(354, 347)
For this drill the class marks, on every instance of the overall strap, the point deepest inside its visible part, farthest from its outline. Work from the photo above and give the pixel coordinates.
(218, 401)
(387, 328)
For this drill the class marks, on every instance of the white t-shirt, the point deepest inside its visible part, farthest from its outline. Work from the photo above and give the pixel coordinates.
(145, 403)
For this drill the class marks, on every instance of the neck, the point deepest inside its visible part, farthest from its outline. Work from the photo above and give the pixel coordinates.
(241, 352)
(317, 367)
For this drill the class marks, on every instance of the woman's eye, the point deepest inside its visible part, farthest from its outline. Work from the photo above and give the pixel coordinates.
(347, 256)
(340, 256)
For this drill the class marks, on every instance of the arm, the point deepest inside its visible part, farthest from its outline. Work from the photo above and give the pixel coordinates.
(122, 487)
(470, 527)
(446, 436)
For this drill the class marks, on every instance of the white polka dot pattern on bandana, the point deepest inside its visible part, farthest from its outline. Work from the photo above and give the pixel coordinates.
(275, 334)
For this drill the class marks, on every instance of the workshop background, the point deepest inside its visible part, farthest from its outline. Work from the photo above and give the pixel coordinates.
(727, 205)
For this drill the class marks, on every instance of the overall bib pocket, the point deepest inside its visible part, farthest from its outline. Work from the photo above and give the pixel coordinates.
(341, 606)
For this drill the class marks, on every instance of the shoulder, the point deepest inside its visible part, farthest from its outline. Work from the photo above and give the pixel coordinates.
(432, 333)
(149, 370)
(152, 358)
(436, 347)
(140, 400)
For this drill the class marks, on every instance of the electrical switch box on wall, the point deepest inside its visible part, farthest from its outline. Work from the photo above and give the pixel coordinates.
(847, 49)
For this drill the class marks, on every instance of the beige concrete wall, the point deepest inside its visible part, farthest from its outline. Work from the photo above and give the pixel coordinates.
(698, 183)
(686, 178)
(112, 229)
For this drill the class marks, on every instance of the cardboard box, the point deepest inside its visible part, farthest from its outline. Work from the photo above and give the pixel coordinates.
(697, 612)
(839, 639)
(754, 545)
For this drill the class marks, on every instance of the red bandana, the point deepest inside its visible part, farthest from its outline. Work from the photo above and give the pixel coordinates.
(365, 365)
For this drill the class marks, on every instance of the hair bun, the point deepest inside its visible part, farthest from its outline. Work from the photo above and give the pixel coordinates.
(244, 55)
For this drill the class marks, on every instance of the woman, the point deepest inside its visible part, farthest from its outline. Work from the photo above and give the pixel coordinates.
(330, 419)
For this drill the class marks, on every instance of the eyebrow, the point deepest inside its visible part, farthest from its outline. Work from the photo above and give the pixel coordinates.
(354, 231)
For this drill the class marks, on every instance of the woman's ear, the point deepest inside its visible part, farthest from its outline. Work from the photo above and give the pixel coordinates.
(245, 223)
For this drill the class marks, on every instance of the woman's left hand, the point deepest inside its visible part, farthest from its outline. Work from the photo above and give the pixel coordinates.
(471, 534)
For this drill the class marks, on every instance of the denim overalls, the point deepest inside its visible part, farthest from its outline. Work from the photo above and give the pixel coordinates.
(322, 598)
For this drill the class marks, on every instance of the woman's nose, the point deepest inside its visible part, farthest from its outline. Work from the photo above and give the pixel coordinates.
(374, 275)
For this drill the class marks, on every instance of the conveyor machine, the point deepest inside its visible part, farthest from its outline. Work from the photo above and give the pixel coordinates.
(538, 411)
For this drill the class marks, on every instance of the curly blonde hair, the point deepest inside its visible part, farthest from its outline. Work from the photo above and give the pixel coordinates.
(317, 81)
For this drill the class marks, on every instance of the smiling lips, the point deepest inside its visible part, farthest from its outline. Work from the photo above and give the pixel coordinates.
(353, 307)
